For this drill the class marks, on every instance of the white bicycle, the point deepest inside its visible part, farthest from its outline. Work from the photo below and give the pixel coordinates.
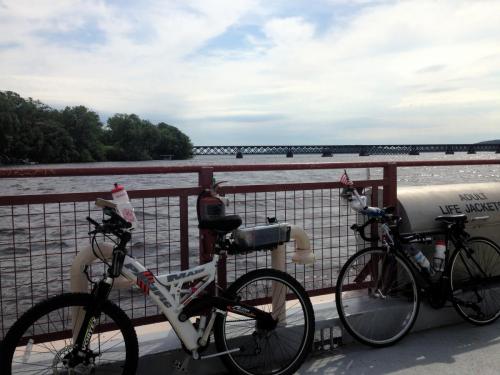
(262, 324)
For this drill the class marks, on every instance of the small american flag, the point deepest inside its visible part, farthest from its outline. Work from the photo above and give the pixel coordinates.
(344, 179)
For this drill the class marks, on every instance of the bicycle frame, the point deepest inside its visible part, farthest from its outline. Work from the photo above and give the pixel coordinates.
(166, 291)
(392, 243)
(175, 301)
(457, 237)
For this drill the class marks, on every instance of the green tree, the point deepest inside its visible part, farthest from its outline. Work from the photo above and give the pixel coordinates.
(131, 138)
(172, 141)
(20, 121)
(32, 130)
(54, 145)
(127, 138)
(9, 122)
(85, 129)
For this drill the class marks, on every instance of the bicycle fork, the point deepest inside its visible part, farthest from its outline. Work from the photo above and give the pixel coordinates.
(83, 327)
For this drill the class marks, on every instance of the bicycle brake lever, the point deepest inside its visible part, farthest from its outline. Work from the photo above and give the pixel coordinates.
(93, 222)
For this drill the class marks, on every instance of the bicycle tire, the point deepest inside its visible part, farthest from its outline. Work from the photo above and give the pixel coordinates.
(472, 275)
(35, 351)
(377, 311)
(261, 351)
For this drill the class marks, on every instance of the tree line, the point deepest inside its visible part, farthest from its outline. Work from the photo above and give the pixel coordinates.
(33, 131)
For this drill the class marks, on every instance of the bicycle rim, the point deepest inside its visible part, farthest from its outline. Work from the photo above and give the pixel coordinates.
(280, 350)
(475, 281)
(41, 341)
(377, 297)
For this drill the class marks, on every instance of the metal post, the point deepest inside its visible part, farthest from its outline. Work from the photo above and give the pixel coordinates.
(184, 228)
(374, 202)
(390, 184)
(278, 262)
(207, 238)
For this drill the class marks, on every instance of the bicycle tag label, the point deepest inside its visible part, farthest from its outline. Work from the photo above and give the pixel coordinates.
(144, 281)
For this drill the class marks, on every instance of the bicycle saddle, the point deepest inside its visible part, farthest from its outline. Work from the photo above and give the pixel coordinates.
(221, 224)
(452, 218)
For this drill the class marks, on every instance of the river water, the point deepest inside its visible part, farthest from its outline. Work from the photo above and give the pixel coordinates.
(406, 176)
(37, 243)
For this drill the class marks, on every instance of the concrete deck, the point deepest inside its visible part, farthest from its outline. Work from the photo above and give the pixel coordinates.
(460, 349)
(440, 344)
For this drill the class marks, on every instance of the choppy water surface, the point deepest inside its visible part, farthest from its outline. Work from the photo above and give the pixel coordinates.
(38, 243)
(406, 176)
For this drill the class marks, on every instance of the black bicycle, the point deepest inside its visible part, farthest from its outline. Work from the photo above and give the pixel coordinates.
(379, 288)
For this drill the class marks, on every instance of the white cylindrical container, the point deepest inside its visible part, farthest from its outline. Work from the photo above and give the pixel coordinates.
(278, 262)
(439, 256)
(125, 209)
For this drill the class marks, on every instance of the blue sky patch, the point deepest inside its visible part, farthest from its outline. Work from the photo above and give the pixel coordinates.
(234, 38)
(9, 45)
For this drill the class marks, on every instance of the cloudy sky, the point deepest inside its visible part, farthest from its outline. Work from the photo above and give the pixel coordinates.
(266, 72)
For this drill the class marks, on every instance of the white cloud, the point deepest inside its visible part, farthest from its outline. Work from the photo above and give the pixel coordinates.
(291, 31)
(423, 63)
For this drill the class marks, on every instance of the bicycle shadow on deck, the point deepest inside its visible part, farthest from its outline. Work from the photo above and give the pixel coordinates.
(455, 349)
(450, 349)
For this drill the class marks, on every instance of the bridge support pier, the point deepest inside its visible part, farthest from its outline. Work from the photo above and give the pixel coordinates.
(414, 151)
(239, 155)
(327, 153)
(364, 152)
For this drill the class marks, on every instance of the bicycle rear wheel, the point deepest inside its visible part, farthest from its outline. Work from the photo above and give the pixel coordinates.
(475, 281)
(377, 297)
(267, 350)
(40, 342)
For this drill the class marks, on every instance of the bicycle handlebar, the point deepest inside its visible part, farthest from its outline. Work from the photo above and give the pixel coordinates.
(93, 222)
(117, 226)
(114, 225)
(361, 230)
(373, 213)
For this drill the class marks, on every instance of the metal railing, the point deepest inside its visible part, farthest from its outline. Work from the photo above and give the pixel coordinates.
(40, 234)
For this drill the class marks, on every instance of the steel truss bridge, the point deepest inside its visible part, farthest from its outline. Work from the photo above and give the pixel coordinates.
(330, 150)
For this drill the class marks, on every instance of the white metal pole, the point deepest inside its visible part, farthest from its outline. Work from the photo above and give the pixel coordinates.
(278, 262)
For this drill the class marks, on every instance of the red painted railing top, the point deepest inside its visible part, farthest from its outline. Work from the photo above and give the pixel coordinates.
(61, 172)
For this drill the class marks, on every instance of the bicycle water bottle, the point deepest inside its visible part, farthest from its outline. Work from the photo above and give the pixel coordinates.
(420, 258)
(125, 209)
(439, 256)
(373, 212)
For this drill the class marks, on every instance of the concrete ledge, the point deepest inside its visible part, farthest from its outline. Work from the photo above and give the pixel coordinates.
(160, 347)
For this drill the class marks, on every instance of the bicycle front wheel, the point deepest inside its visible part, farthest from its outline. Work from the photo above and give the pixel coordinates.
(475, 281)
(377, 297)
(267, 350)
(40, 342)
